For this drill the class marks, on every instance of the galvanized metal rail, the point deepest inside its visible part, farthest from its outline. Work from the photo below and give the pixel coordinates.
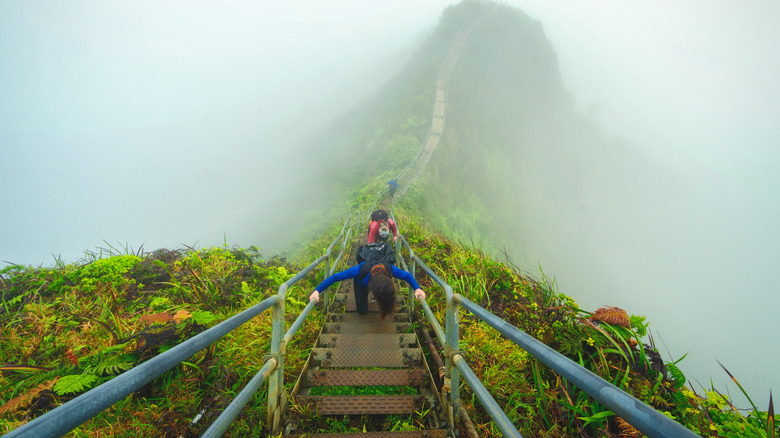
(362, 350)
(414, 169)
(70, 415)
(640, 415)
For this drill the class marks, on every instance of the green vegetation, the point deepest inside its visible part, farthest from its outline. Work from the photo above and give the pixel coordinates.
(608, 342)
(67, 329)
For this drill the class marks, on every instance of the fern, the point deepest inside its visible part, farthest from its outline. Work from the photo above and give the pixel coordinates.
(639, 325)
(111, 366)
(113, 348)
(74, 383)
(677, 376)
(203, 317)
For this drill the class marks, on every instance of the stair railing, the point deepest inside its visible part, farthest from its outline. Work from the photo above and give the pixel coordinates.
(277, 399)
(454, 362)
(63, 419)
(640, 415)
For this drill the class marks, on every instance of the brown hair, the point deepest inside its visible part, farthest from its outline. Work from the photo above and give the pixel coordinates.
(382, 287)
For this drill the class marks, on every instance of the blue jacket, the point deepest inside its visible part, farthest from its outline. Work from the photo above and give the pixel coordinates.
(355, 271)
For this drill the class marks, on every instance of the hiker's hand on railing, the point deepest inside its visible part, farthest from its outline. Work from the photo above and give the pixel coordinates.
(395, 239)
(315, 296)
(419, 294)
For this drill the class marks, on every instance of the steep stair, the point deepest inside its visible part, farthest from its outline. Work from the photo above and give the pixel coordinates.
(363, 354)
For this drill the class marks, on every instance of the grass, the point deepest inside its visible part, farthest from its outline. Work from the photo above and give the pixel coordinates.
(534, 397)
(91, 321)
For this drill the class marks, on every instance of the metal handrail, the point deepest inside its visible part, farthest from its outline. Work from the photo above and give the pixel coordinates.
(70, 415)
(502, 422)
(280, 339)
(640, 415)
(448, 338)
(222, 423)
(65, 418)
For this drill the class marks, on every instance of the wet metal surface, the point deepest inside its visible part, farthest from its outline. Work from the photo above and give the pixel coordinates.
(372, 340)
(348, 346)
(416, 434)
(366, 358)
(364, 404)
(359, 327)
(415, 377)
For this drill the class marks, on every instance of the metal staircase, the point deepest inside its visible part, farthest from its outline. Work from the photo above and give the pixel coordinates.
(354, 351)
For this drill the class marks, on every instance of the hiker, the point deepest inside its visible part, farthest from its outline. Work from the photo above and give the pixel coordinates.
(376, 278)
(380, 227)
(393, 187)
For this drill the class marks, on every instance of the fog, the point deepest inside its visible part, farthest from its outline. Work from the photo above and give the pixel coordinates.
(160, 124)
(170, 123)
(695, 245)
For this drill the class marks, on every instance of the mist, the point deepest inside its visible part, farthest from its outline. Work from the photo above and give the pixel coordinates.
(683, 229)
(159, 124)
(162, 124)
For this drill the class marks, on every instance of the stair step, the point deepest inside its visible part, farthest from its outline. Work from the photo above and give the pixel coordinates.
(379, 341)
(416, 377)
(367, 318)
(399, 358)
(365, 404)
(359, 327)
(436, 433)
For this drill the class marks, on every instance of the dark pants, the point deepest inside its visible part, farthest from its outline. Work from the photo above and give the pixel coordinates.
(361, 297)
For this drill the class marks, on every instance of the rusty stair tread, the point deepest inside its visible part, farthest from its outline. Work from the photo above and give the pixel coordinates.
(365, 404)
(413, 376)
(367, 357)
(359, 327)
(349, 341)
(433, 433)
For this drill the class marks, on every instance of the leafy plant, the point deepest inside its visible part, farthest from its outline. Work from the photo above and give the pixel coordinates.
(74, 383)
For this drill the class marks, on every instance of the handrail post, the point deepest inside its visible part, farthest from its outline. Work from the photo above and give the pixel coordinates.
(452, 345)
(326, 267)
(399, 252)
(455, 346)
(276, 380)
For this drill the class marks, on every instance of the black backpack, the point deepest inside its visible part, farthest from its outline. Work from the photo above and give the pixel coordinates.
(377, 252)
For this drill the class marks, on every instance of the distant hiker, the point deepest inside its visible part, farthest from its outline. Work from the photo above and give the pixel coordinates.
(381, 226)
(393, 187)
(375, 278)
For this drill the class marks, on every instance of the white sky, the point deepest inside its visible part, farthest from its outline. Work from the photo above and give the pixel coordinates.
(159, 122)
(162, 123)
(695, 84)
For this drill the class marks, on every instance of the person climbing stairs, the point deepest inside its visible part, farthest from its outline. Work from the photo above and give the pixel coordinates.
(359, 354)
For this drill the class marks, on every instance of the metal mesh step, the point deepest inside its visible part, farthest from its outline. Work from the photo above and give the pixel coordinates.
(437, 433)
(368, 317)
(361, 328)
(379, 341)
(364, 404)
(415, 377)
(397, 358)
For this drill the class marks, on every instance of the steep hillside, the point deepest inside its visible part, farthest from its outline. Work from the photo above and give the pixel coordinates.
(67, 329)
